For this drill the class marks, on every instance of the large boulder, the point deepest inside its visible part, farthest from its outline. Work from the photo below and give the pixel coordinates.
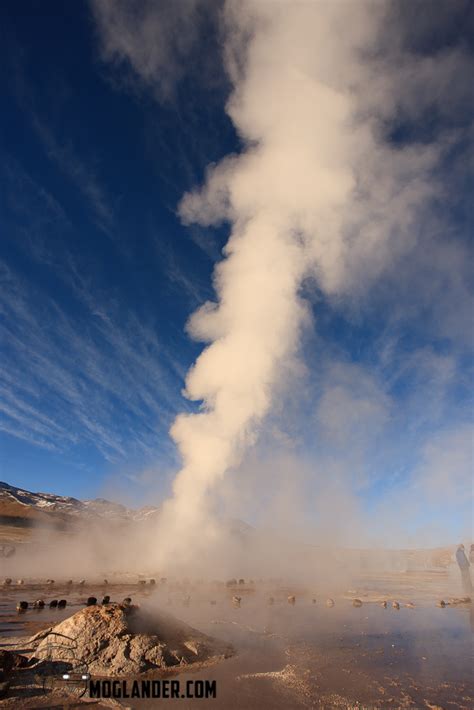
(114, 640)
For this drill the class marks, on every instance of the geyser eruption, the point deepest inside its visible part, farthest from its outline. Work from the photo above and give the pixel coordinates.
(311, 194)
(316, 192)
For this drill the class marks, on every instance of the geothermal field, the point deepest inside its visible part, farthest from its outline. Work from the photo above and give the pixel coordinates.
(348, 628)
(236, 377)
(281, 645)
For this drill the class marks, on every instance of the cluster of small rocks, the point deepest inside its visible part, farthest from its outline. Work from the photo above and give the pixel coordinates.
(8, 581)
(39, 604)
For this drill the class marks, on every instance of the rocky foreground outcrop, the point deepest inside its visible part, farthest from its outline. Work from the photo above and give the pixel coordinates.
(113, 640)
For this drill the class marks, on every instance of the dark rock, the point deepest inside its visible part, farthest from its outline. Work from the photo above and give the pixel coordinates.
(38, 604)
(11, 661)
(53, 604)
(106, 599)
(91, 601)
(62, 603)
(22, 606)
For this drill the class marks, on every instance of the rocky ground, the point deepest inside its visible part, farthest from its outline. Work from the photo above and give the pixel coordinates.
(100, 641)
(289, 653)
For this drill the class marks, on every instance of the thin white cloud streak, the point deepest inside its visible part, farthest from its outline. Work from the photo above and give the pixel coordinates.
(80, 170)
(26, 435)
(78, 384)
(154, 38)
(19, 411)
(81, 175)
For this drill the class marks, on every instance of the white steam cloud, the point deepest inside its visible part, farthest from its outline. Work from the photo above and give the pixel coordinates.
(317, 192)
(312, 194)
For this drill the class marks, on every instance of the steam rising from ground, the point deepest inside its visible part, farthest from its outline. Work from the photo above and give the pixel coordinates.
(317, 193)
(314, 193)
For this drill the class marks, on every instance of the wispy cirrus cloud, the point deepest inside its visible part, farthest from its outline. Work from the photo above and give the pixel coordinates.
(82, 175)
(58, 141)
(89, 379)
(155, 39)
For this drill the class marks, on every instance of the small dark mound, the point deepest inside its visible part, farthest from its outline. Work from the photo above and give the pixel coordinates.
(11, 661)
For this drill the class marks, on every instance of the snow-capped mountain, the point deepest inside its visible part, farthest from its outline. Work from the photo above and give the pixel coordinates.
(17, 502)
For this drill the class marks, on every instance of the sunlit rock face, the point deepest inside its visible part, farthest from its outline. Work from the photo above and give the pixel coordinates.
(114, 640)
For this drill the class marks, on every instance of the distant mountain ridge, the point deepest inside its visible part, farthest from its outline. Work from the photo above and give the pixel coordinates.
(20, 503)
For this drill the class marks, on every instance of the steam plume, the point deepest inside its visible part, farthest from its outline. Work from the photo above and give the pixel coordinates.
(314, 193)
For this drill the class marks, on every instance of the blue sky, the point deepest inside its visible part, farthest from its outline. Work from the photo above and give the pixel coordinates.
(99, 277)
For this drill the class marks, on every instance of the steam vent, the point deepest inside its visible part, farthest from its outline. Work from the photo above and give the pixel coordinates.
(115, 641)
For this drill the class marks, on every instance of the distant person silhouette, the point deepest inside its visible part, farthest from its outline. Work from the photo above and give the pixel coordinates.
(464, 566)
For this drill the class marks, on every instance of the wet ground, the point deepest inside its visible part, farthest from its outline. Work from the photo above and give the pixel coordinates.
(304, 656)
